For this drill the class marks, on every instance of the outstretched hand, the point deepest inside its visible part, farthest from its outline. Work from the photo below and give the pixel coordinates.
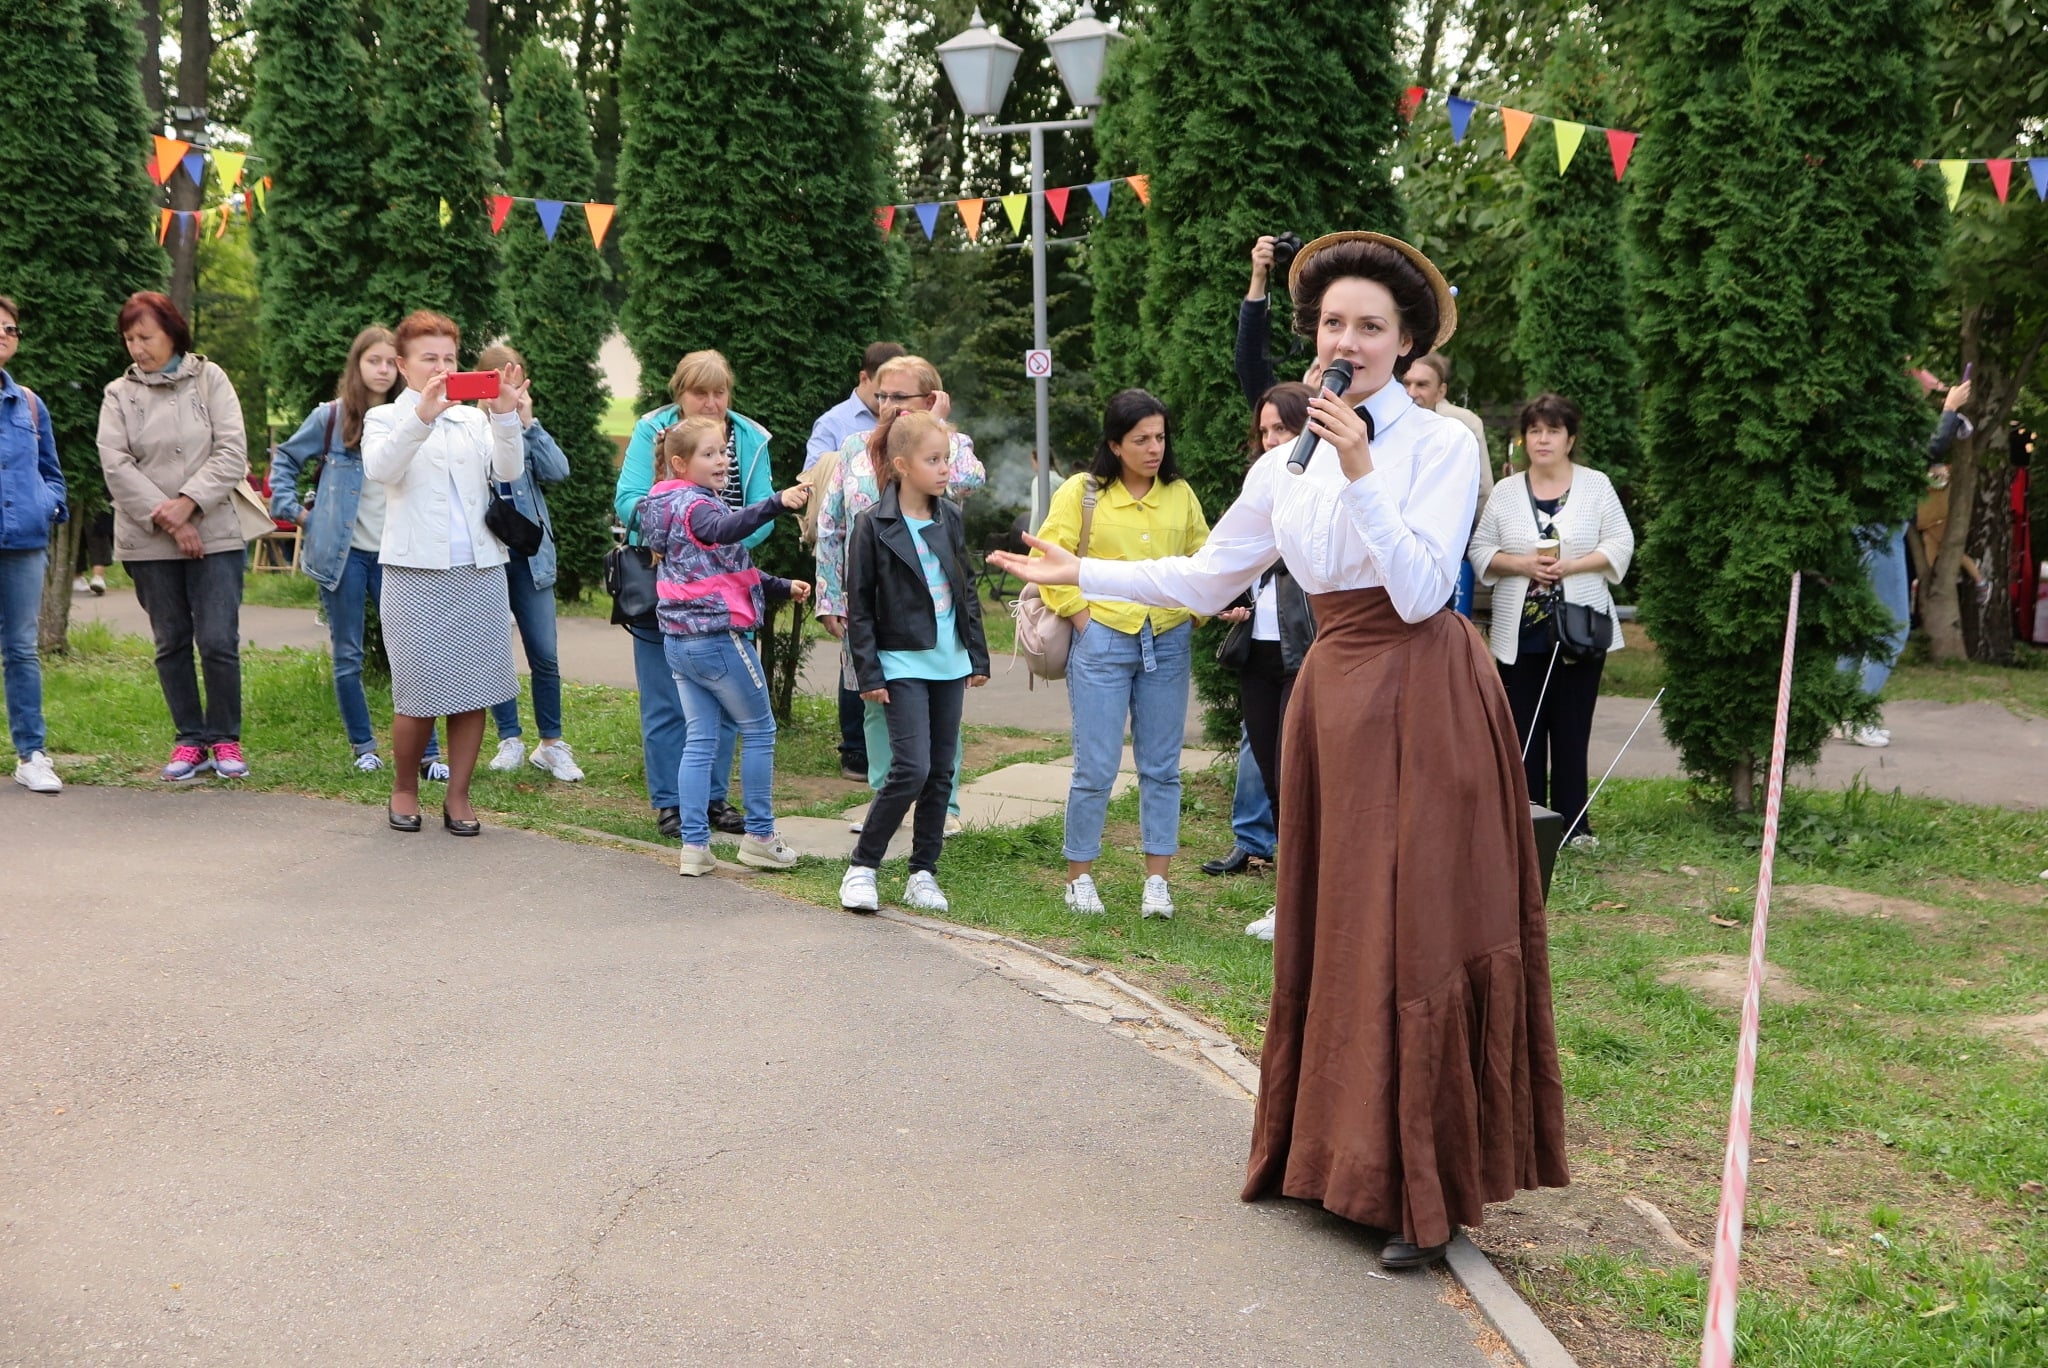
(1056, 564)
(799, 591)
(796, 496)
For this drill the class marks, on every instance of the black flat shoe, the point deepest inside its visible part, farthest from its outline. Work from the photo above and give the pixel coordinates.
(726, 818)
(1396, 1255)
(457, 827)
(399, 821)
(1238, 861)
(669, 822)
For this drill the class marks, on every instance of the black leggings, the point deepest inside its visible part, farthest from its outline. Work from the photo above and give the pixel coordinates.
(1558, 751)
(1264, 686)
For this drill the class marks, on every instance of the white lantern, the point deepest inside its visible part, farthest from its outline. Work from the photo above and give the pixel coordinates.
(1080, 50)
(979, 63)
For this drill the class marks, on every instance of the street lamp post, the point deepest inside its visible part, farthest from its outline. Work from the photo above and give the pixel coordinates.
(979, 64)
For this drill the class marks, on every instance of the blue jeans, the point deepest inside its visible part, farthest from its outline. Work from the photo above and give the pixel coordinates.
(362, 580)
(1462, 598)
(1111, 676)
(1884, 560)
(534, 611)
(1251, 812)
(663, 728)
(21, 602)
(719, 679)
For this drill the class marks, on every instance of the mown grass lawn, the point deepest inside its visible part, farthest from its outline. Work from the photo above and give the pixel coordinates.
(1897, 1210)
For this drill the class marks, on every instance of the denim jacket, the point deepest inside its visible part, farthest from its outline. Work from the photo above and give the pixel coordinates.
(31, 480)
(327, 527)
(546, 463)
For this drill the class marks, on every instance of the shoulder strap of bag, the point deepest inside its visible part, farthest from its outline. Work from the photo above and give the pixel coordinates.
(1087, 515)
(1535, 513)
(35, 412)
(327, 432)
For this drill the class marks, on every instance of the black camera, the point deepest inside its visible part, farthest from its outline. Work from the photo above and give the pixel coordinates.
(1285, 245)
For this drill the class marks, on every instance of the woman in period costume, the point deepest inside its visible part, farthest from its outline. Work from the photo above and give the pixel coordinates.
(1410, 1073)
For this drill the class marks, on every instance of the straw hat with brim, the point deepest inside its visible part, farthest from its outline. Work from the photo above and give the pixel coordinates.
(1446, 302)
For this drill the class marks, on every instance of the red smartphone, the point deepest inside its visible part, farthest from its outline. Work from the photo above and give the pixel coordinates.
(472, 385)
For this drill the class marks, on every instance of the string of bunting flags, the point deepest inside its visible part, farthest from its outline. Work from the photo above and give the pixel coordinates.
(972, 210)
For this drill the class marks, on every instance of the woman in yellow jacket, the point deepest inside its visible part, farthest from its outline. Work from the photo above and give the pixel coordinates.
(1127, 661)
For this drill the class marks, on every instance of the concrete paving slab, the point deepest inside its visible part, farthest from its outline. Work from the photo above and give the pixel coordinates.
(354, 1097)
(1040, 780)
(827, 837)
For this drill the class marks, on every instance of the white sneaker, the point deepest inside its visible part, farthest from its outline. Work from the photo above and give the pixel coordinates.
(767, 853)
(954, 826)
(98, 585)
(369, 762)
(1158, 900)
(697, 861)
(511, 752)
(37, 775)
(854, 827)
(1082, 897)
(556, 759)
(857, 890)
(434, 771)
(922, 893)
(1585, 840)
(1877, 738)
(79, 586)
(1262, 929)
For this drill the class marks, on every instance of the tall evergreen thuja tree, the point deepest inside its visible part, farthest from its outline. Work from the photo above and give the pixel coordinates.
(753, 160)
(1264, 126)
(315, 240)
(79, 234)
(434, 139)
(1571, 332)
(555, 299)
(1116, 246)
(1783, 241)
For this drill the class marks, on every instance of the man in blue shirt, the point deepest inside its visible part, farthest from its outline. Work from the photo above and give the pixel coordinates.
(856, 413)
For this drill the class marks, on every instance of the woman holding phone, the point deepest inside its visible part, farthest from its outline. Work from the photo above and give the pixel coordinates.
(447, 618)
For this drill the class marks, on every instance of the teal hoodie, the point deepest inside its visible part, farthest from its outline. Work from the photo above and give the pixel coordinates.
(636, 473)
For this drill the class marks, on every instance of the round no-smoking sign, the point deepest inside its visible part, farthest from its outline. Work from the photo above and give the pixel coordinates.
(1037, 364)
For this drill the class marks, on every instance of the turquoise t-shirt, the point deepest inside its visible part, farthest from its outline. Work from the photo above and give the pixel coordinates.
(948, 659)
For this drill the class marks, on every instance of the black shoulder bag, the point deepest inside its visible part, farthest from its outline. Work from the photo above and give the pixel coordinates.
(629, 579)
(509, 525)
(1582, 632)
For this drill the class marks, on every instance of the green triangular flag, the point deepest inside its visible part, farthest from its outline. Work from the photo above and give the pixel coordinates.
(1568, 135)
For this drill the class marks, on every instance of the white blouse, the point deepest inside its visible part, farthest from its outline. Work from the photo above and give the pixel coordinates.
(1403, 527)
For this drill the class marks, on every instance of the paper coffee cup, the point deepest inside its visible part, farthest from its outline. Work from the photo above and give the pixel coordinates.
(1546, 548)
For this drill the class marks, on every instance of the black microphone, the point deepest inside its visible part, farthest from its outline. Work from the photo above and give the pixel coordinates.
(1336, 380)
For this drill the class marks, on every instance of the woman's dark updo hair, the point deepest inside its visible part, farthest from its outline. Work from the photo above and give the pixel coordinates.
(1550, 409)
(1413, 297)
(1290, 398)
(1125, 410)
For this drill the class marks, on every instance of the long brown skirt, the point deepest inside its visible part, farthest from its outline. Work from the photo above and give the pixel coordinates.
(1410, 1073)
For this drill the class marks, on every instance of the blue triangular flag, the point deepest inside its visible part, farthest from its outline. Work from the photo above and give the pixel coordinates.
(550, 212)
(1099, 192)
(195, 167)
(2038, 168)
(928, 216)
(1461, 116)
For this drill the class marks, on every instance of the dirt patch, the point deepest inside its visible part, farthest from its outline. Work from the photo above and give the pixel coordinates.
(802, 790)
(2031, 1031)
(1720, 979)
(985, 749)
(1854, 902)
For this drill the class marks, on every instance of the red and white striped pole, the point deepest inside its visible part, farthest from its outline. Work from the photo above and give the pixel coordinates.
(1718, 1348)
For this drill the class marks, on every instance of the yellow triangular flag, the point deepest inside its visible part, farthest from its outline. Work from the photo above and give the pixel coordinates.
(447, 214)
(970, 214)
(599, 217)
(1014, 206)
(262, 188)
(229, 165)
(1516, 122)
(1953, 169)
(1568, 135)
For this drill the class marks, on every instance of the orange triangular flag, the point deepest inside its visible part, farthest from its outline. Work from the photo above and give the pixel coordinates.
(222, 231)
(163, 225)
(1516, 122)
(970, 214)
(1141, 187)
(169, 152)
(600, 216)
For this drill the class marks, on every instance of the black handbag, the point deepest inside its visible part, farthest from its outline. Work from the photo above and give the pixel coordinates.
(510, 526)
(629, 579)
(1580, 631)
(1234, 652)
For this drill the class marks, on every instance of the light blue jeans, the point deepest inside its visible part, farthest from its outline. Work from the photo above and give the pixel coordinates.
(663, 727)
(533, 610)
(718, 677)
(21, 602)
(1251, 812)
(1884, 560)
(1112, 676)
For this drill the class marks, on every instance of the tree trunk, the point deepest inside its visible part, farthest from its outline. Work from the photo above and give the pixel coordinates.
(1742, 784)
(1987, 621)
(782, 657)
(1432, 35)
(53, 623)
(151, 59)
(480, 25)
(195, 43)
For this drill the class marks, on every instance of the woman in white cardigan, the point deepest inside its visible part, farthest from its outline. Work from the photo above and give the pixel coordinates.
(447, 618)
(1577, 506)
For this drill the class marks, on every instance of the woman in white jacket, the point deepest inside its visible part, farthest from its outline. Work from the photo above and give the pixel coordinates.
(1577, 507)
(447, 618)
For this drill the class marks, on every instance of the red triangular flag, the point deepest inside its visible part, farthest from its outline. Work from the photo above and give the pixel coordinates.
(1621, 145)
(169, 152)
(1411, 100)
(1056, 200)
(2001, 175)
(1141, 187)
(885, 218)
(599, 217)
(501, 205)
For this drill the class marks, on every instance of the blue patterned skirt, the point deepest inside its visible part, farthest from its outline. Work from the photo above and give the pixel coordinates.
(449, 636)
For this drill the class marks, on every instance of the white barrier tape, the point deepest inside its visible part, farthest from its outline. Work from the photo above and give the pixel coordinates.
(1717, 1349)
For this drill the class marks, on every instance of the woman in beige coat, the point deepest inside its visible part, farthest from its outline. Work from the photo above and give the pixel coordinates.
(172, 448)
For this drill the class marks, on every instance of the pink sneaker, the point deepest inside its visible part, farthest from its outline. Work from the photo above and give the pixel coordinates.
(228, 761)
(187, 762)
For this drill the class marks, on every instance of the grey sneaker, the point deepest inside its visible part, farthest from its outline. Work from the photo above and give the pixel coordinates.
(922, 893)
(1082, 897)
(697, 861)
(857, 890)
(1158, 900)
(768, 853)
(511, 754)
